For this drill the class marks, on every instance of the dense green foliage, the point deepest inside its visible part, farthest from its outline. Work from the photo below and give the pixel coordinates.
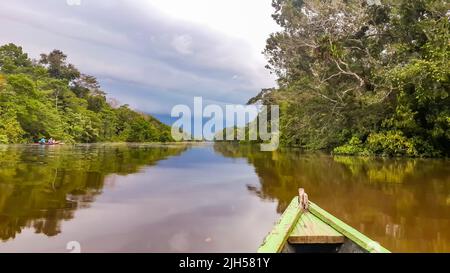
(362, 77)
(51, 98)
(42, 186)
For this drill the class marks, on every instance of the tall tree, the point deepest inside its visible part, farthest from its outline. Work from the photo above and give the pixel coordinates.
(13, 57)
(53, 99)
(57, 66)
(373, 71)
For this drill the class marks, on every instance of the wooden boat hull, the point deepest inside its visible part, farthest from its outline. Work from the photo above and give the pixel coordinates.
(315, 231)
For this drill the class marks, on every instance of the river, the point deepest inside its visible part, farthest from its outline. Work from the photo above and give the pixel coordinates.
(208, 197)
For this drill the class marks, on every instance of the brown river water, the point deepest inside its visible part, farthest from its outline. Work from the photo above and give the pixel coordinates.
(209, 197)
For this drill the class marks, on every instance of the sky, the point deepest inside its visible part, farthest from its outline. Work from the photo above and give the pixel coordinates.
(152, 54)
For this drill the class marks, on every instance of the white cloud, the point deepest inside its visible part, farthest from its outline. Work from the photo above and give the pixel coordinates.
(249, 19)
(160, 53)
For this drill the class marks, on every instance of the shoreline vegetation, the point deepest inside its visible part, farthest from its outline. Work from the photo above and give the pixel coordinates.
(130, 144)
(364, 78)
(51, 98)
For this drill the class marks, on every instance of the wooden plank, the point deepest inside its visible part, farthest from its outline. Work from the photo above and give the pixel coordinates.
(349, 232)
(311, 230)
(280, 235)
(277, 238)
(299, 240)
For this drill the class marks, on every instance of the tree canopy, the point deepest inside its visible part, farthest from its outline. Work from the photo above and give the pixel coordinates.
(362, 77)
(52, 98)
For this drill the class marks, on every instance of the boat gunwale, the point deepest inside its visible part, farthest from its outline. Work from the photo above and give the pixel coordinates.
(346, 230)
(275, 241)
(278, 237)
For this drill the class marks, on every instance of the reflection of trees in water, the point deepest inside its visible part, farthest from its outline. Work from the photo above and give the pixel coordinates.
(384, 170)
(40, 186)
(390, 199)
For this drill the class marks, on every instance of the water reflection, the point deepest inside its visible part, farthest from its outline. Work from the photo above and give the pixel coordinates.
(194, 200)
(202, 198)
(42, 186)
(402, 203)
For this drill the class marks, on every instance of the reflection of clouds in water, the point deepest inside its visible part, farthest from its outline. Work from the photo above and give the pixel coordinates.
(111, 181)
(401, 203)
(179, 242)
(177, 204)
(173, 206)
(62, 180)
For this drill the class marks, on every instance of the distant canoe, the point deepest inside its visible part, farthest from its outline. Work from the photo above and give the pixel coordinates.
(313, 230)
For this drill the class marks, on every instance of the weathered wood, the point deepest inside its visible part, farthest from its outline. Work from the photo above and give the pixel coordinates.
(311, 230)
(346, 230)
(303, 199)
(277, 238)
(322, 228)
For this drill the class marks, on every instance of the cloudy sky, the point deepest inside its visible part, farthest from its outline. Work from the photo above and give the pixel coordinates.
(152, 54)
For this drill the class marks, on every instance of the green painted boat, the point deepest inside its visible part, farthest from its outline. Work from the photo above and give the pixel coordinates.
(306, 228)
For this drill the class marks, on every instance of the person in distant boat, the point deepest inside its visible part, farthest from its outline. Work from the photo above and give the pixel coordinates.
(43, 140)
(51, 141)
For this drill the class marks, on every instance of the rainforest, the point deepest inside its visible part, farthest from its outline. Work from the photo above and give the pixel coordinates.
(362, 77)
(51, 98)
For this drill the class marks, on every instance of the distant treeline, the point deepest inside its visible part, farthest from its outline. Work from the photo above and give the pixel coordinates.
(51, 98)
(362, 77)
